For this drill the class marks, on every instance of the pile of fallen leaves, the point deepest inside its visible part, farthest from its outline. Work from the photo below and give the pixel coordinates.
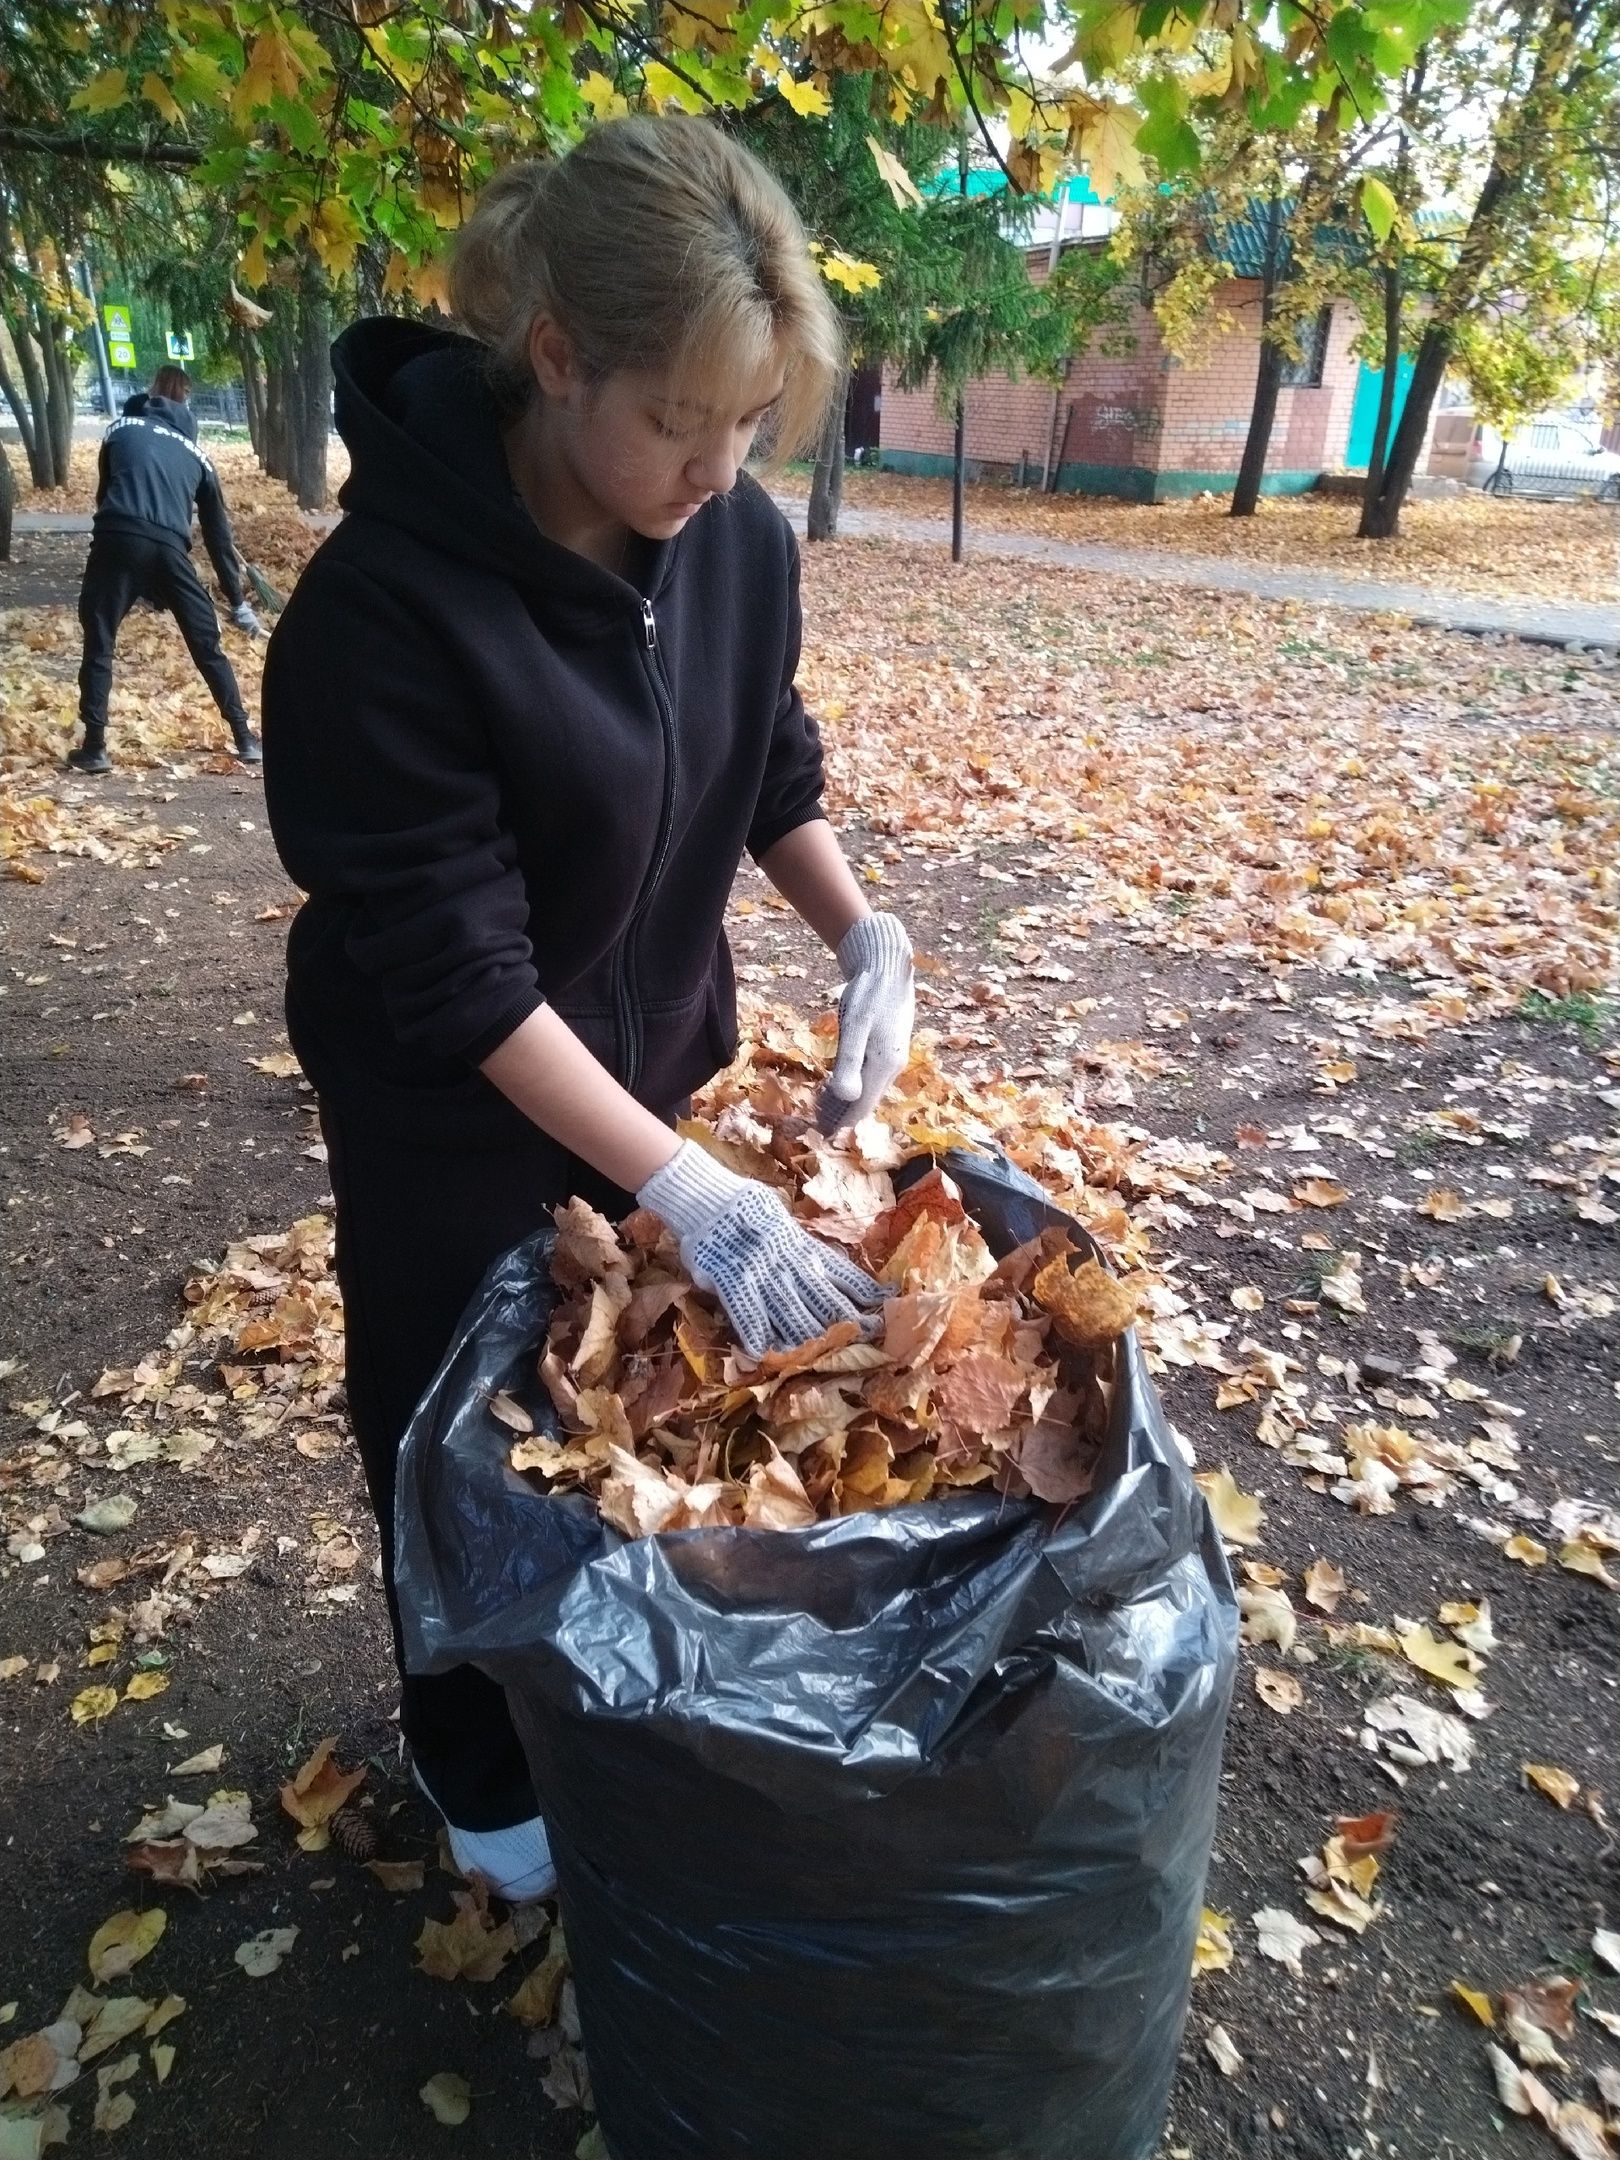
(975, 1372)
(1470, 543)
(1265, 782)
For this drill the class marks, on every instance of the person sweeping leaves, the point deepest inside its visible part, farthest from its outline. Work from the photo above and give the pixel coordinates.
(524, 713)
(151, 477)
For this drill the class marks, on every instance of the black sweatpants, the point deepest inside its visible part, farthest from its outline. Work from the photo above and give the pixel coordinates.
(416, 1228)
(124, 568)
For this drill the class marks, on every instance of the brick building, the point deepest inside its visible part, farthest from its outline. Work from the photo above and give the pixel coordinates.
(1141, 425)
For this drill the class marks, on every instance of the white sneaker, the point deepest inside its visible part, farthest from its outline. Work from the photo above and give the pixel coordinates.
(515, 1862)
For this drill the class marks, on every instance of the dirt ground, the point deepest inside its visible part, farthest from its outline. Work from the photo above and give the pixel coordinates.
(135, 993)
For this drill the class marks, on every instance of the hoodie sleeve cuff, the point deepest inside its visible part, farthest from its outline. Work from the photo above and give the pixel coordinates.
(509, 1021)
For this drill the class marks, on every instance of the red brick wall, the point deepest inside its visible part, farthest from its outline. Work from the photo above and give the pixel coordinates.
(1005, 420)
(1207, 407)
(1142, 412)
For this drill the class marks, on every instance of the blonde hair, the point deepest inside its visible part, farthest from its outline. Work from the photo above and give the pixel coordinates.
(657, 244)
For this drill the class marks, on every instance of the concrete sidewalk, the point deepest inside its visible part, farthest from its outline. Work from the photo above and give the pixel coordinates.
(1544, 622)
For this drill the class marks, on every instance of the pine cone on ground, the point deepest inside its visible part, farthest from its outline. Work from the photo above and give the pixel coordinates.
(354, 1834)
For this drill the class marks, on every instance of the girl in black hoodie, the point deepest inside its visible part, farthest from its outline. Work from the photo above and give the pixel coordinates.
(523, 715)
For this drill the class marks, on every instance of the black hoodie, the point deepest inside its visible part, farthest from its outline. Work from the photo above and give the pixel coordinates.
(506, 777)
(151, 473)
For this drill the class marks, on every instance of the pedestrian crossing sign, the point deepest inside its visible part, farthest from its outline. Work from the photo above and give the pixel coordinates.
(180, 345)
(117, 322)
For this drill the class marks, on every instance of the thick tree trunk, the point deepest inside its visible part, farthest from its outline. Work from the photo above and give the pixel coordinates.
(1268, 380)
(298, 389)
(247, 352)
(37, 436)
(1498, 200)
(8, 503)
(58, 396)
(315, 390)
(1381, 515)
(280, 390)
(958, 479)
(1262, 417)
(55, 419)
(1377, 457)
(20, 410)
(827, 485)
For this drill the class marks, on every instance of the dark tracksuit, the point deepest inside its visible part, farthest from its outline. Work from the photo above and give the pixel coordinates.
(505, 777)
(151, 475)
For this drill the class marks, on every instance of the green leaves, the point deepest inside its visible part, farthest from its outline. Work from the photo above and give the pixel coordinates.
(1166, 135)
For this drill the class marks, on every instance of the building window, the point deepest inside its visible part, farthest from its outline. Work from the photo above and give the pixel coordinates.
(1306, 372)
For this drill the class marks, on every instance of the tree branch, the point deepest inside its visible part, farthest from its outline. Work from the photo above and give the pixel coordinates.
(102, 150)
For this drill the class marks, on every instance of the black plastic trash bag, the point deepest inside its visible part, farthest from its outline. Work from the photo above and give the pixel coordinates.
(883, 1839)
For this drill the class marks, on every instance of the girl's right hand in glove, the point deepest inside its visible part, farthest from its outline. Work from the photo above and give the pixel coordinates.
(779, 1285)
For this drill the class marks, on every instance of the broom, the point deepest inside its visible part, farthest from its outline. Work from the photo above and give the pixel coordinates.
(269, 599)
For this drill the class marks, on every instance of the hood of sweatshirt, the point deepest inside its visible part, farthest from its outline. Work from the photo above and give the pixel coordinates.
(172, 412)
(416, 410)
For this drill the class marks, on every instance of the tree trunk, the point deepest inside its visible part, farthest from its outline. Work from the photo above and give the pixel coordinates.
(280, 390)
(1498, 200)
(54, 421)
(958, 478)
(247, 352)
(8, 503)
(315, 389)
(1381, 514)
(20, 410)
(827, 486)
(1378, 455)
(1262, 416)
(1268, 379)
(58, 396)
(36, 437)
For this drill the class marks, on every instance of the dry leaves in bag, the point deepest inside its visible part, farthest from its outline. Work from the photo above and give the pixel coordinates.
(976, 1373)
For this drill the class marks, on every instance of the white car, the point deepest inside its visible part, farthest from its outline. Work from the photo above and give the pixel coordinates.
(1549, 456)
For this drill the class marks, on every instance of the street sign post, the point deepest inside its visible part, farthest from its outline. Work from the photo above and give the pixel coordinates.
(120, 334)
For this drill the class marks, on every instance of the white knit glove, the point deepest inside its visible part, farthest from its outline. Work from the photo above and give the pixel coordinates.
(244, 618)
(780, 1286)
(875, 1015)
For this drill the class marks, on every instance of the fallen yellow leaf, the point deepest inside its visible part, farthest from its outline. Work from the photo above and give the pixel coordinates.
(1559, 1786)
(1279, 1691)
(92, 1704)
(1443, 1204)
(1525, 1550)
(145, 1685)
(447, 2097)
(1447, 1662)
(1321, 1192)
(121, 1942)
(1479, 2004)
(319, 1789)
(1212, 1952)
(1324, 1585)
(1582, 1557)
(1237, 1514)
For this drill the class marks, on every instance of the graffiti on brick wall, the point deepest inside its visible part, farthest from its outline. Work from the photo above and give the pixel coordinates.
(1108, 429)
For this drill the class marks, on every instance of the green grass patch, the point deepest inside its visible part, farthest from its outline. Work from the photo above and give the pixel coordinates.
(1588, 1015)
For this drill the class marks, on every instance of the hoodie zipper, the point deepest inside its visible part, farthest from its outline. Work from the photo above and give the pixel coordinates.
(628, 986)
